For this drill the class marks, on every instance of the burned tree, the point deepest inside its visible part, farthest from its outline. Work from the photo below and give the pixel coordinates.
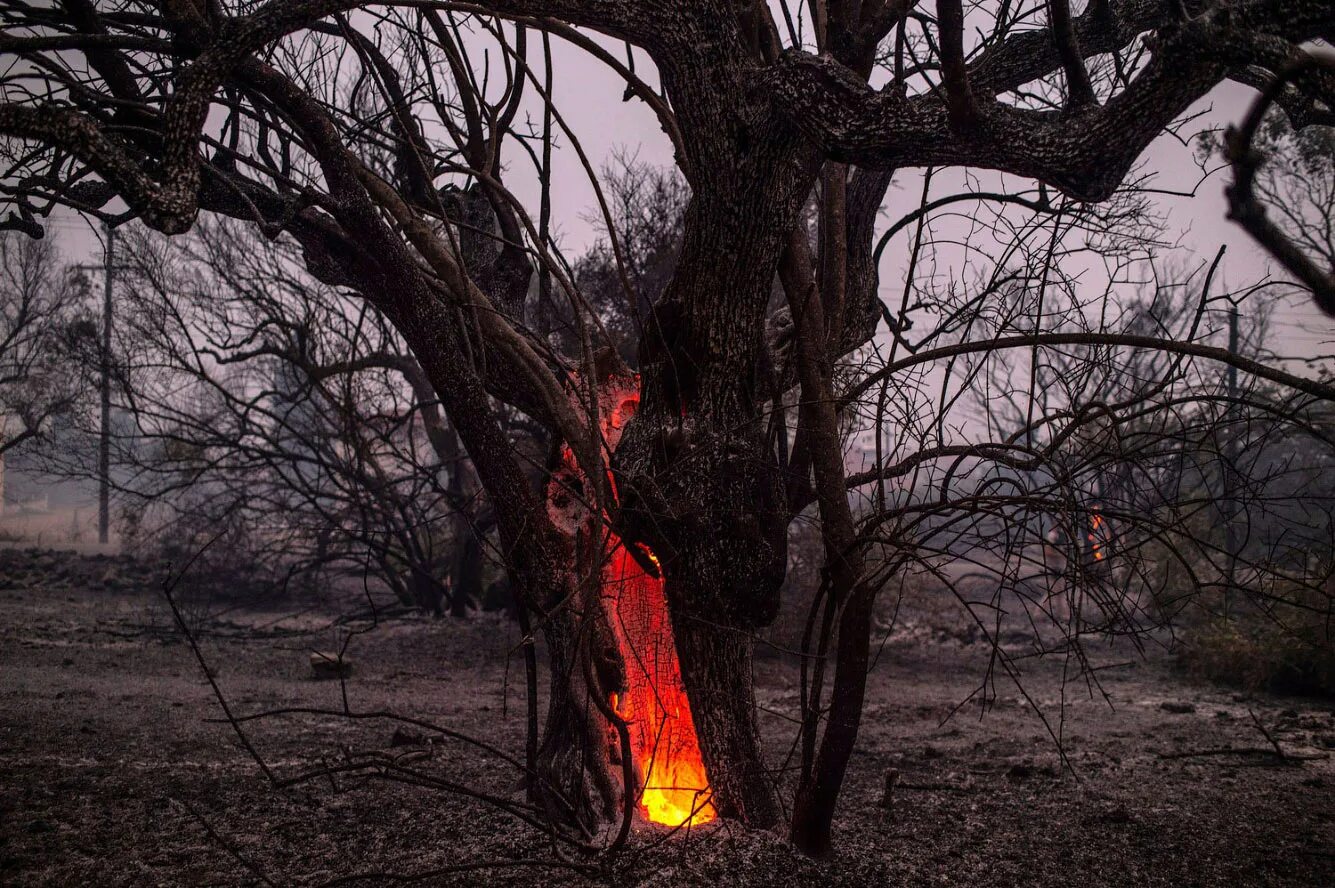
(263, 398)
(371, 136)
(41, 311)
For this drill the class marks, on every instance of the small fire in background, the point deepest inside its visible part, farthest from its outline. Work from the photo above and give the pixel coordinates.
(1097, 534)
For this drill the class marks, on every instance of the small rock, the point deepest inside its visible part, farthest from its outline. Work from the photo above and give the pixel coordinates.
(1177, 708)
(40, 826)
(1020, 771)
(407, 737)
(327, 665)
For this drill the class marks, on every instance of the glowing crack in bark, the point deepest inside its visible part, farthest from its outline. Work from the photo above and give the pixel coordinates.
(673, 784)
(662, 730)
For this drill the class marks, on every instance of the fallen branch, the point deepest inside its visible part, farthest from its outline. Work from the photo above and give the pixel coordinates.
(227, 846)
(1245, 751)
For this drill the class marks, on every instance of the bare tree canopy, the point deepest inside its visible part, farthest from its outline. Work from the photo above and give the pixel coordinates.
(40, 309)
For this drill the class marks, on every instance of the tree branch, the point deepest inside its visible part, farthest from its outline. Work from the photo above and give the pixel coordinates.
(1243, 205)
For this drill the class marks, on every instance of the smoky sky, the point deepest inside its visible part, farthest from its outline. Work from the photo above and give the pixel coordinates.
(591, 99)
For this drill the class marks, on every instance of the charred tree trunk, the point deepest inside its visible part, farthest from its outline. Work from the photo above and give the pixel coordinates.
(466, 573)
(700, 481)
(576, 779)
(700, 485)
(716, 667)
(427, 592)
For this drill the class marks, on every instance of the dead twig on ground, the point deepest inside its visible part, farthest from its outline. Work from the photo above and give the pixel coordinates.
(227, 846)
(1287, 757)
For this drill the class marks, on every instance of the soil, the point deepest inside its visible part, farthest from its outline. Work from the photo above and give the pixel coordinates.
(115, 768)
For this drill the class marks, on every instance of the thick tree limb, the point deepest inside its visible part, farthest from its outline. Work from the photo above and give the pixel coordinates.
(1079, 90)
(1243, 205)
(1085, 152)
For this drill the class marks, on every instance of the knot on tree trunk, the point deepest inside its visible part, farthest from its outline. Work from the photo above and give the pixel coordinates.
(709, 502)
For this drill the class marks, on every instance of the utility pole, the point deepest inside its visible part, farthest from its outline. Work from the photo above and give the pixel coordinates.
(104, 439)
(108, 269)
(1229, 454)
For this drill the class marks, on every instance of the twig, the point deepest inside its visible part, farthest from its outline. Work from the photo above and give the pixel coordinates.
(227, 846)
(1266, 734)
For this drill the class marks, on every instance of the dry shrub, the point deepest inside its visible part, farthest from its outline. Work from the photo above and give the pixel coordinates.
(1288, 647)
(222, 559)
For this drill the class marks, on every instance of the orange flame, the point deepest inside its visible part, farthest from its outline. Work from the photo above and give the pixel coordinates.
(1096, 535)
(674, 787)
(662, 731)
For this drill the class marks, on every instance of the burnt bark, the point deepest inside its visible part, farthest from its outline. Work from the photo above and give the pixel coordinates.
(716, 668)
(575, 781)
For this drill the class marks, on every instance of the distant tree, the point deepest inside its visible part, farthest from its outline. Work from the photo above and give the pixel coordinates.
(41, 316)
(642, 240)
(264, 399)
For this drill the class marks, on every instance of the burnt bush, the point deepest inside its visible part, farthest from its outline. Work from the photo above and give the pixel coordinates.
(1287, 646)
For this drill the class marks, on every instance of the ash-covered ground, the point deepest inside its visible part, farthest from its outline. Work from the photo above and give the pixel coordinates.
(114, 768)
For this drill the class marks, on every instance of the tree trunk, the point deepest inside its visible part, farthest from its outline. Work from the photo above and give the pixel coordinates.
(818, 793)
(847, 594)
(711, 518)
(427, 592)
(716, 667)
(576, 783)
(466, 576)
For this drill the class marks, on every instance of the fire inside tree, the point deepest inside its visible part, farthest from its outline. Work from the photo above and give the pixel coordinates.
(1097, 536)
(674, 788)
(672, 784)
(1089, 546)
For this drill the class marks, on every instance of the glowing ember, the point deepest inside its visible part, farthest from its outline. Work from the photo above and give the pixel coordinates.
(1096, 534)
(674, 788)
